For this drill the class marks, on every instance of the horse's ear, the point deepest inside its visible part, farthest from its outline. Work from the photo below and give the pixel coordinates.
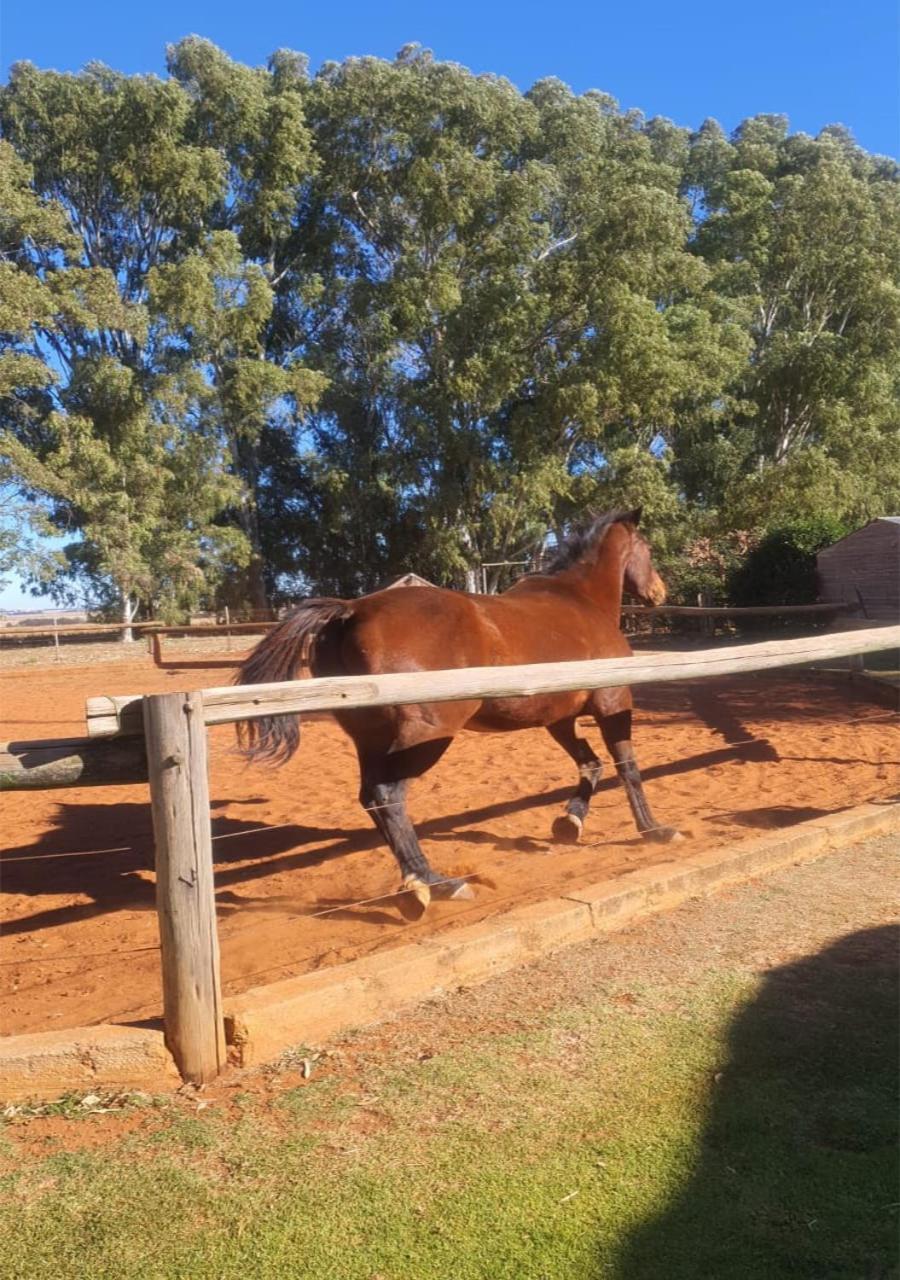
(634, 517)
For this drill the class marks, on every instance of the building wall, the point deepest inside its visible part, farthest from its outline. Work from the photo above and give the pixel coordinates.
(865, 564)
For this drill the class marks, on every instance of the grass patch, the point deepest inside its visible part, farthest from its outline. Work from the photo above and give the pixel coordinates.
(712, 1128)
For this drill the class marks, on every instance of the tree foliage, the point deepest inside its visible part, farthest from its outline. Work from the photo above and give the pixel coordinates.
(781, 569)
(262, 332)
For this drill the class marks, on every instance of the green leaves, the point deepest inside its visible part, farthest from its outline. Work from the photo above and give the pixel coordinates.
(262, 333)
(805, 234)
(104, 186)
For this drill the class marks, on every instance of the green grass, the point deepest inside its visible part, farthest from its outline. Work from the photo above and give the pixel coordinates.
(707, 1129)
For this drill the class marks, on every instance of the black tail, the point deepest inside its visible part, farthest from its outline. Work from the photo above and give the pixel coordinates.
(279, 656)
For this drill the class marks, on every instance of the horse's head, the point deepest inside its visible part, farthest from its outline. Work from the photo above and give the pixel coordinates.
(609, 554)
(640, 578)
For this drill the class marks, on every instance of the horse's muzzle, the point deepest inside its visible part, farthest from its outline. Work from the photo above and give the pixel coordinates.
(656, 591)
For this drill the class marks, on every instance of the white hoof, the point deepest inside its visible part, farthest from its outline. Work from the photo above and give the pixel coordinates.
(414, 899)
(465, 893)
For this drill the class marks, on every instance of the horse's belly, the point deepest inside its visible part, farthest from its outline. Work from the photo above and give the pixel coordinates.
(497, 715)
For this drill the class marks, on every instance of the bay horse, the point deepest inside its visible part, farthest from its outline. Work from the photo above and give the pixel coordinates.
(567, 613)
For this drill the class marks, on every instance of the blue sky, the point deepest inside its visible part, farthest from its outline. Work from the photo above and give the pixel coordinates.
(817, 61)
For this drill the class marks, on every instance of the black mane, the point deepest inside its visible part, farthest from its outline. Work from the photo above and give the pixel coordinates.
(586, 537)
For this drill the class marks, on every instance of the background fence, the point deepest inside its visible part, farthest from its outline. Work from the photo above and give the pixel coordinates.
(254, 622)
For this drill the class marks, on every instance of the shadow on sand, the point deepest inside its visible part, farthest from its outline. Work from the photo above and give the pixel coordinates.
(796, 1170)
(121, 839)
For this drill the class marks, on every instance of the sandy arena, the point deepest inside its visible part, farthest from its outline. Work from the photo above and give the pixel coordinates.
(724, 760)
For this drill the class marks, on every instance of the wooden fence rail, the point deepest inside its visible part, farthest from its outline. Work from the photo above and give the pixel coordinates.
(108, 716)
(242, 625)
(155, 638)
(75, 629)
(72, 762)
(734, 611)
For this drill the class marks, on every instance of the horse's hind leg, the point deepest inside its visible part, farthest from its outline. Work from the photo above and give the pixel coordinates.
(616, 731)
(568, 826)
(383, 787)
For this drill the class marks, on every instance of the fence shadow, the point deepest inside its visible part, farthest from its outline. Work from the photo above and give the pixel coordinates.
(796, 1169)
(121, 840)
(120, 836)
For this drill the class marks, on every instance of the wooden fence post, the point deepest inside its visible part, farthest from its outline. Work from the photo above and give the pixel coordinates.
(175, 735)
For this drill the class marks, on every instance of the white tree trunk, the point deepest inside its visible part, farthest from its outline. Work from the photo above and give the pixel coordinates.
(473, 575)
(129, 609)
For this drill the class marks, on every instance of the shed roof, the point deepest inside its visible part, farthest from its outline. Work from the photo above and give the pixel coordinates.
(892, 520)
(408, 580)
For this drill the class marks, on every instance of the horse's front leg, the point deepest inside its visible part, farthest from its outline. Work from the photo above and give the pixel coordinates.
(616, 731)
(568, 826)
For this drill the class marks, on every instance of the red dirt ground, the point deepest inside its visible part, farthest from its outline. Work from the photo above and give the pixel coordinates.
(724, 760)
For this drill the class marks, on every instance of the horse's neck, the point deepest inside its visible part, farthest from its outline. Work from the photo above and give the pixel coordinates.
(602, 577)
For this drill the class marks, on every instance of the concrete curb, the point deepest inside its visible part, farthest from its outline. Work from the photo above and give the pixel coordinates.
(51, 1064)
(264, 1021)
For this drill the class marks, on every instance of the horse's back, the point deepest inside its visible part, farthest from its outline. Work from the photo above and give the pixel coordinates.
(433, 629)
(430, 628)
(417, 629)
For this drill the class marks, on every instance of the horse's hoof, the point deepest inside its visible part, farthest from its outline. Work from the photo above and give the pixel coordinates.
(455, 890)
(567, 828)
(663, 835)
(414, 898)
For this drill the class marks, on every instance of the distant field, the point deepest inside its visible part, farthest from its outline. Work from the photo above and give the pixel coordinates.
(74, 652)
(41, 618)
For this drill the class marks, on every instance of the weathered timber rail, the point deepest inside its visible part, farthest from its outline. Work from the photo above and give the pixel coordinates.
(173, 726)
(735, 611)
(155, 638)
(75, 629)
(108, 716)
(72, 762)
(215, 629)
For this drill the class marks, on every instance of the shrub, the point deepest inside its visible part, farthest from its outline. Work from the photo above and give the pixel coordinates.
(781, 569)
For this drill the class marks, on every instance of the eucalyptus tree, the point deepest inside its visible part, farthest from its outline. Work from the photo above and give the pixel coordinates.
(292, 332)
(24, 377)
(507, 299)
(633, 339)
(175, 196)
(219, 298)
(110, 187)
(803, 238)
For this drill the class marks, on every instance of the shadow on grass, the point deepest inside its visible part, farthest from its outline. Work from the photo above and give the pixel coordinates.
(796, 1170)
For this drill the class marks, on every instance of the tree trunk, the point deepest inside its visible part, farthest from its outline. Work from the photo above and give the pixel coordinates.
(474, 576)
(245, 463)
(129, 609)
(257, 599)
